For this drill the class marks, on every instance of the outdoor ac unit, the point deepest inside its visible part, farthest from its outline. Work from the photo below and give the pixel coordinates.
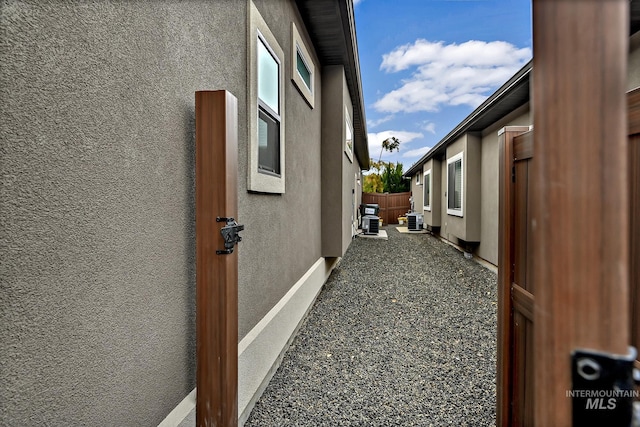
(370, 224)
(415, 221)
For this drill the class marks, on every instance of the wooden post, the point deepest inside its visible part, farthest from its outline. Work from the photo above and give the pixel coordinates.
(580, 191)
(634, 165)
(505, 275)
(216, 275)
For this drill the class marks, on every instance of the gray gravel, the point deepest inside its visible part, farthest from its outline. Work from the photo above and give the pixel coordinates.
(403, 334)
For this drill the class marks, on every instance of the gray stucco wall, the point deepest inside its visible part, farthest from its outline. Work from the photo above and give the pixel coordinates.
(338, 173)
(97, 309)
(282, 238)
(417, 192)
(488, 248)
(97, 302)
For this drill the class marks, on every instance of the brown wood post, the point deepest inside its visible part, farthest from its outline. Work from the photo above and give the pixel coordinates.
(580, 191)
(634, 164)
(505, 273)
(216, 275)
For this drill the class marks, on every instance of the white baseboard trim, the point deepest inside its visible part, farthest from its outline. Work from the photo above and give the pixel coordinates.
(181, 411)
(261, 350)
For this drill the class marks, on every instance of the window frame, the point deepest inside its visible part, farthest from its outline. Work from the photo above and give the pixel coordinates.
(427, 186)
(451, 161)
(348, 126)
(418, 178)
(265, 108)
(260, 180)
(299, 48)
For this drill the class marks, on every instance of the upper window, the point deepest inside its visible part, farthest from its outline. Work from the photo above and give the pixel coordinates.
(418, 178)
(348, 135)
(303, 69)
(426, 188)
(303, 73)
(268, 109)
(454, 185)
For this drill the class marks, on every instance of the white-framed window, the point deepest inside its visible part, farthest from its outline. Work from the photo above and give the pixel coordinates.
(427, 190)
(303, 69)
(266, 148)
(269, 70)
(348, 135)
(418, 177)
(455, 177)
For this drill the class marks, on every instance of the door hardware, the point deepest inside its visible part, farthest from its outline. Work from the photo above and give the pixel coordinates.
(229, 234)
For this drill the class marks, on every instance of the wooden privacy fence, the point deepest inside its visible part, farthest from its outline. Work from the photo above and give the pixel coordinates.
(392, 205)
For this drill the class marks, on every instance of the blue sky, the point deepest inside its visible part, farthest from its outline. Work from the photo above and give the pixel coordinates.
(426, 64)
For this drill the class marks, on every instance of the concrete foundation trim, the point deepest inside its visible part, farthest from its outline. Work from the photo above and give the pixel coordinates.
(181, 411)
(261, 350)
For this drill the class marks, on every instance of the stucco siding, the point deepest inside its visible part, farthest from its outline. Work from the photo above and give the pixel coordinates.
(282, 236)
(417, 193)
(98, 255)
(98, 234)
(338, 172)
(488, 248)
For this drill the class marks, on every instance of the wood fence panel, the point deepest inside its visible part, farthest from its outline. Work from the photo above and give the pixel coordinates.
(391, 205)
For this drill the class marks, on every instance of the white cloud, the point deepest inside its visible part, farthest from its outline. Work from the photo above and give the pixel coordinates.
(374, 123)
(418, 152)
(454, 74)
(375, 140)
(356, 2)
(429, 127)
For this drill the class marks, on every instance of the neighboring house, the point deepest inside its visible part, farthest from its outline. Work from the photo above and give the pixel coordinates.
(455, 184)
(448, 181)
(97, 280)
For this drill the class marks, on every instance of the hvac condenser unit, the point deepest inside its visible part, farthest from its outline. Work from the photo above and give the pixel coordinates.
(415, 221)
(370, 224)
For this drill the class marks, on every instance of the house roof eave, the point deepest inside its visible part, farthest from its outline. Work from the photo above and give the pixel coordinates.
(331, 26)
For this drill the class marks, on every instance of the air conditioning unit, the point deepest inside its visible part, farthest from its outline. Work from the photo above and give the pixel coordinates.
(370, 224)
(415, 221)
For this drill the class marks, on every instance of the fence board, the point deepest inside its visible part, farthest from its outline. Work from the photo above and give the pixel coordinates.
(392, 205)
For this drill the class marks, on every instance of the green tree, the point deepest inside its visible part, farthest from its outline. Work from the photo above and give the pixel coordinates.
(372, 183)
(392, 179)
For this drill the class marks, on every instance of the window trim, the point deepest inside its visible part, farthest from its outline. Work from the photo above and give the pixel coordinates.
(426, 204)
(418, 178)
(299, 47)
(264, 108)
(258, 180)
(452, 160)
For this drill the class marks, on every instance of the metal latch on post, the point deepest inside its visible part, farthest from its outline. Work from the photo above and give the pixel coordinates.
(603, 388)
(229, 234)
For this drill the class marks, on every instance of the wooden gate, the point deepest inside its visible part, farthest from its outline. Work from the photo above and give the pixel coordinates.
(516, 295)
(392, 205)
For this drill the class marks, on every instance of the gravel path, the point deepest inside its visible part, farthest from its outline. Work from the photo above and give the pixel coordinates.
(403, 334)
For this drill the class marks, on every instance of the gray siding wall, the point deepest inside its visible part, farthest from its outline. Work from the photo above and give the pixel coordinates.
(282, 238)
(338, 173)
(488, 248)
(417, 192)
(467, 227)
(97, 301)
